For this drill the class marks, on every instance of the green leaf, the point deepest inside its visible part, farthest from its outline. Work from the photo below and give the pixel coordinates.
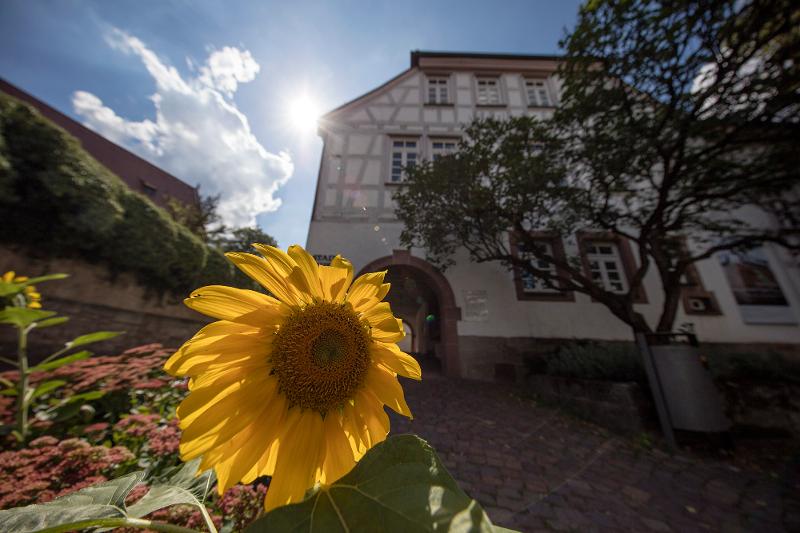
(183, 487)
(89, 338)
(51, 322)
(22, 316)
(47, 386)
(40, 279)
(11, 391)
(8, 289)
(58, 363)
(106, 500)
(85, 396)
(400, 485)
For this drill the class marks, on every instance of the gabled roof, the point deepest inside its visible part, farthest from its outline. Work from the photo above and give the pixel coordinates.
(421, 59)
(140, 175)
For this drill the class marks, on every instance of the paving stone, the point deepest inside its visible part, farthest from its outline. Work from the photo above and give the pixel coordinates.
(533, 468)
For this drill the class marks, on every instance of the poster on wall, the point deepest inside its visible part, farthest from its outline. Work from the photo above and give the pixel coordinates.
(755, 287)
(476, 308)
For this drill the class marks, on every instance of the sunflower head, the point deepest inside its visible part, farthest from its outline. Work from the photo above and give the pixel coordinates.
(291, 386)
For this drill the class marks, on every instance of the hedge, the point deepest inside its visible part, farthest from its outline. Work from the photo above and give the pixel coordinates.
(58, 201)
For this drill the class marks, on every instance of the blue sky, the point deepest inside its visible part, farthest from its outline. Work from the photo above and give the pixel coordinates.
(226, 76)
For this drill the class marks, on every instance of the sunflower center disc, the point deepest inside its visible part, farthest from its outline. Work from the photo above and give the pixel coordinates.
(320, 356)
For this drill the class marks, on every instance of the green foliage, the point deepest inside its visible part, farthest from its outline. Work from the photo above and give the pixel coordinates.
(103, 505)
(58, 201)
(766, 367)
(400, 485)
(595, 360)
(242, 239)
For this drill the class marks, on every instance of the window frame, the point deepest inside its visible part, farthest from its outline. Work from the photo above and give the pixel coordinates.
(500, 93)
(439, 139)
(392, 139)
(624, 252)
(448, 87)
(545, 86)
(557, 246)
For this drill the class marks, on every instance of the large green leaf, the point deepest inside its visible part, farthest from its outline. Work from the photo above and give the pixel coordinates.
(61, 361)
(183, 487)
(400, 485)
(23, 316)
(106, 500)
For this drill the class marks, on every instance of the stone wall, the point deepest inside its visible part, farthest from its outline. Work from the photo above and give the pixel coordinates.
(95, 300)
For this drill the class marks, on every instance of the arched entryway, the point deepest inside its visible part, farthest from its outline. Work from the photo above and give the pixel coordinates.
(421, 296)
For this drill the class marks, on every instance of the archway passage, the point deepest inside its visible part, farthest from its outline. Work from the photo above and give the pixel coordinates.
(422, 297)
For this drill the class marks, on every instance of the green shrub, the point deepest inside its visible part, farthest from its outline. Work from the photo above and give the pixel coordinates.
(768, 366)
(58, 201)
(594, 360)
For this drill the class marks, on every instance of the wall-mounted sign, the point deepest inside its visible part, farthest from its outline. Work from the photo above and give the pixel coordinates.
(755, 288)
(323, 259)
(476, 307)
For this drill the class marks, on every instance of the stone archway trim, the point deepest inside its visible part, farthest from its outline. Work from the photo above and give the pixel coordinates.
(450, 313)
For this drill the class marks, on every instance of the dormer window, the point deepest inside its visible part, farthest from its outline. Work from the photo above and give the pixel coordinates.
(538, 95)
(438, 90)
(149, 189)
(488, 91)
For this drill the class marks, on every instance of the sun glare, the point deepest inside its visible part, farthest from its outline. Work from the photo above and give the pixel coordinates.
(303, 114)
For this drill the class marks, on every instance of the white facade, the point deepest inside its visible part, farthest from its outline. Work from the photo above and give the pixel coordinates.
(353, 212)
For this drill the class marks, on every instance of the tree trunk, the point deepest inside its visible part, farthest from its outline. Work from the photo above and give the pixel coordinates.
(672, 297)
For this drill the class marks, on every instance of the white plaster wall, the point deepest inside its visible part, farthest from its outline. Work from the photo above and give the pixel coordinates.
(354, 216)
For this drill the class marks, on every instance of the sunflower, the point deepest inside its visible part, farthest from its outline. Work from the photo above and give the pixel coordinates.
(31, 297)
(291, 386)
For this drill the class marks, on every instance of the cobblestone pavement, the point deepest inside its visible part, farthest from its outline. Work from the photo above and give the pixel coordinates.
(536, 469)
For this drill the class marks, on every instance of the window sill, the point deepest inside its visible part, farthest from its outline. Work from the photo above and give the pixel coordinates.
(436, 104)
(541, 107)
(492, 106)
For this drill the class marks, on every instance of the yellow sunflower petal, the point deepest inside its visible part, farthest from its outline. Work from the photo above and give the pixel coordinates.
(385, 327)
(384, 385)
(198, 355)
(339, 458)
(367, 291)
(373, 416)
(300, 455)
(396, 360)
(355, 429)
(336, 279)
(8, 277)
(237, 305)
(309, 268)
(262, 272)
(304, 284)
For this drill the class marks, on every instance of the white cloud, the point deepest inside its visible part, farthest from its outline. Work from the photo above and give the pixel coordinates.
(199, 134)
(226, 68)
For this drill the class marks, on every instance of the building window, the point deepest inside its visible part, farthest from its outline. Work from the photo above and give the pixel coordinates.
(531, 283)
(440, 147)
(488, 91)
(531, 287)
(605, 266)
(537, 92)
(149, 189)
(404, 154)
(438, 90)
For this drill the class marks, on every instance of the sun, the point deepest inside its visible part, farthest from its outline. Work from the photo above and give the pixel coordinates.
(304, 112)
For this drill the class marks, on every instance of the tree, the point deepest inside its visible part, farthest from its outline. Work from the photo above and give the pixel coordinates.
(241, 239)
(677, 130)
(201, 219)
